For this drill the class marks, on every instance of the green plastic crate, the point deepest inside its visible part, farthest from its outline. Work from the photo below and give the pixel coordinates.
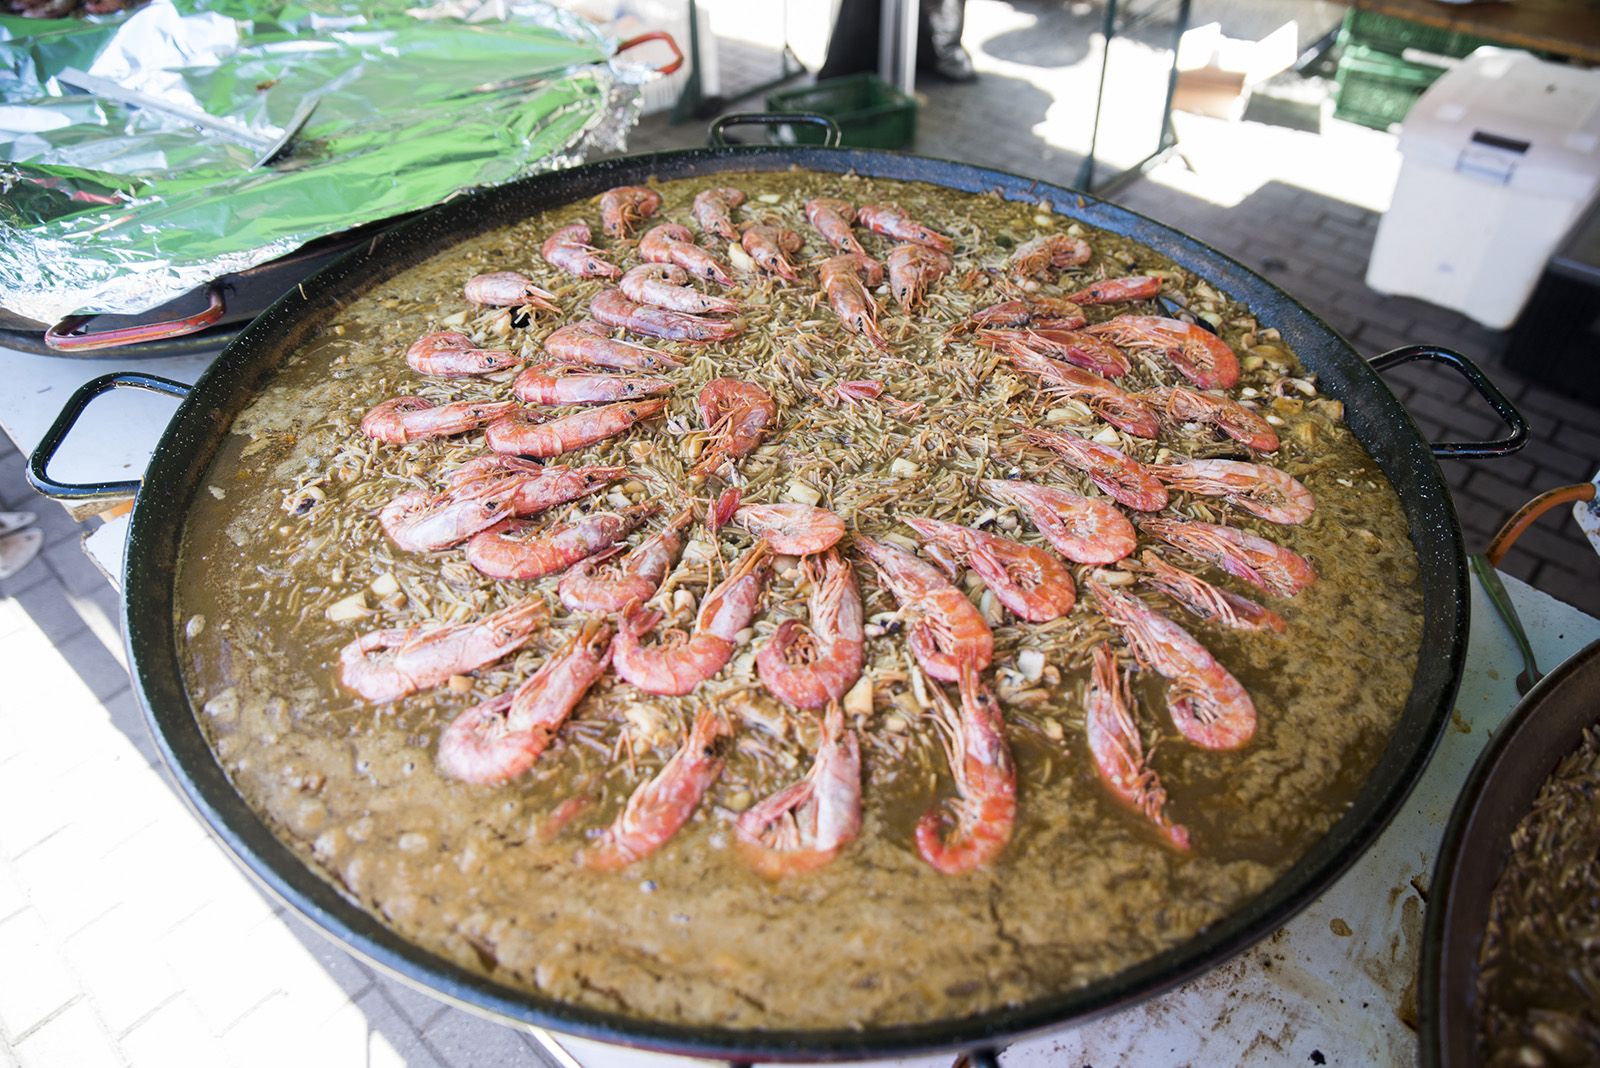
(1377, 89)
(1385, 33)
(869, 111)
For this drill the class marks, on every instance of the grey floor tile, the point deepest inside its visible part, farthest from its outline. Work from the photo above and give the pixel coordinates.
(463, 1040)
(75, 570)
(415, 1006)
(52, 612)
(125, 714)
(99, 670)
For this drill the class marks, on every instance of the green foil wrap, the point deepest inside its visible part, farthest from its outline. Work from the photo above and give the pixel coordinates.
(110, 208)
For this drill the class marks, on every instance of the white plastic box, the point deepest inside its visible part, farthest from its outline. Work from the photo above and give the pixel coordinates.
(1498, 158)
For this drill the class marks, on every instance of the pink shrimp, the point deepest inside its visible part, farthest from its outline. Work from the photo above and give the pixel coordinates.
(1074, 346)
(505, 551)
(737, 415)
(555, 383)
(623, 208)
(833, 219)
(597, 585)
(568, 249)
(1085, 530)
(386, 665)
(1025, 578)
(806, 667)
(523, 434)
(1199, 355)
(613, 308)
(1127, 480)
(771, 245)
(1269, 567)
(477, 499)
(912, 270)
(945, 630)
(1121, 409)
(1051, 251)
(842, 278)
(1119, 290)
(802, 827)
(588, 343)
(861, 390)
(402, 420)
(984, 812)
(680, 663)
(508, 289)
(891, 221)
(1040, 312)
(796, 529)
(722, 510)
(1118, 751)
(713, 211)
(1177, 405)
(1208, 705)
(671, 243)
(1207, 601)
(661, 285)
(1274, 495)
(658, 809)
(450, 354)
(500, 739)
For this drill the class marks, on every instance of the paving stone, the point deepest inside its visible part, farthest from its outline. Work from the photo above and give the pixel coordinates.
(32, 574)
(116, 960)
(34, 982)
(15, 493)
(463, 1040)
(102, 672)
(74, 1038)
(75, 570)
(58, 527)
(128, 717)
(51, 610)
(174, 1036)
(414, 1006)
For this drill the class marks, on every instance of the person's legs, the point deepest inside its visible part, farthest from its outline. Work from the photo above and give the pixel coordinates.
(939, 48)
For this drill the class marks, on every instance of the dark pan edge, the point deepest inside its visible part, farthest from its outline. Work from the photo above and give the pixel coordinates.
(1546, 725)
(1373, 413)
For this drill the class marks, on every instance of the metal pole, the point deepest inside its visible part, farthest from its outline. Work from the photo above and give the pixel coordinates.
(906, 75)
(1086, 172)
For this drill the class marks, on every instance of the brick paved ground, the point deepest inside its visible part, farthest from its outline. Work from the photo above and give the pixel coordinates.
(126, 936)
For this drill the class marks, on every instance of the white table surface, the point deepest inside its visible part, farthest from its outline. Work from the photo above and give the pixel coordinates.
(1307, 989)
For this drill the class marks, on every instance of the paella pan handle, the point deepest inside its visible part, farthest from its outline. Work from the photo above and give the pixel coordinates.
(1485, 389)
(655, 35)
(39, 463)
(830, 129)
(64, 336)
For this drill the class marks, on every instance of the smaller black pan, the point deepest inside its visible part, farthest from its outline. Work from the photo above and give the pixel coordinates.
(1546, 726)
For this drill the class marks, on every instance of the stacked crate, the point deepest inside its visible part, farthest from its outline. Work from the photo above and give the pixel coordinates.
(1378, 77)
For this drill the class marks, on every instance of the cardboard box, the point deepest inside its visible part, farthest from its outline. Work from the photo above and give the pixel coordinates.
(1215, 73)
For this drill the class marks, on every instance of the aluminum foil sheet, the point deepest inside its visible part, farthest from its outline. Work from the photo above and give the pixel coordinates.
(115, 208)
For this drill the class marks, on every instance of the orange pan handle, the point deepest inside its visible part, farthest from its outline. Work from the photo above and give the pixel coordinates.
(655, 35)
(1525, 516)
(65, 336)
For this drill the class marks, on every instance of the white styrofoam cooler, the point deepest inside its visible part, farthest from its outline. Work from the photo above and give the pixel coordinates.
(1498, 158)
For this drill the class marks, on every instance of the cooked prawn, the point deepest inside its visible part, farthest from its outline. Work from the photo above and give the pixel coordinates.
(842, 281)
(386, 665)
(912, 270)
(1074, 346)
(806, 667)
(984, 812)
(505, 551)
(945, 630)
(833, 219)
(509, 289)
(568, 249)
(556, 383)
(1208, 705)
(1269, 567)
(598, 585)
(588, 343)
(1051, 251)
(1127, 480)
(1025, 578)
(671, 243)
(502, 738)
(771, 245)
(713, 211)
(1199, 355)
(1212, 603)
(613, 308)
(478, 497)
(890, 220)
(523, 434)
(658, 809)
(1119, 290)
(1177, 405)
(451, 354)
(679, 663)
(661, 285)
(1274, 495)
(623, 208)
(736, 416)
(1085, 530)
(803, 826)
(402, 420)
(1118, 751)
(859, 390)
(1040, 312)
(796, 529)
(1121, 409)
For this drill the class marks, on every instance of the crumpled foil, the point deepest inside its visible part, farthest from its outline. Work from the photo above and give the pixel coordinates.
(111, 208)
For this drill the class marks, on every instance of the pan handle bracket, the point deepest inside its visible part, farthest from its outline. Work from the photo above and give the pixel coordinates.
(1480, 383)
(39, 463)
(830, 129)
(65, 336)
